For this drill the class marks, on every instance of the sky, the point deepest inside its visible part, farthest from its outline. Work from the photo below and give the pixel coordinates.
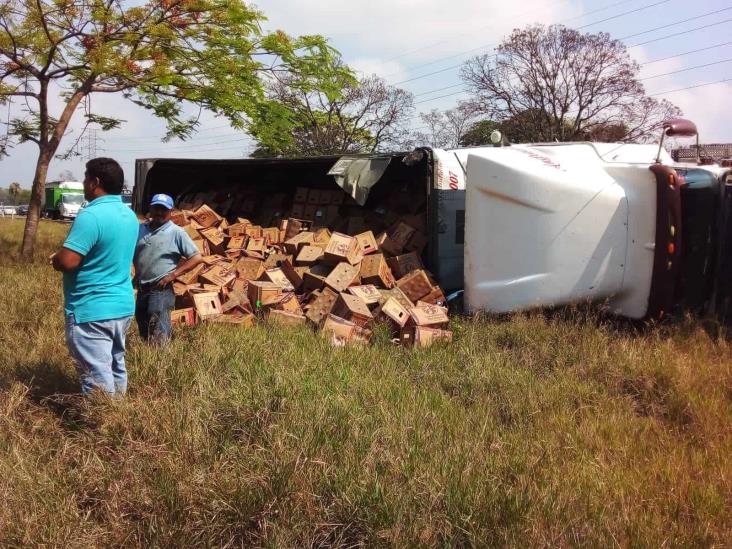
(418, 45)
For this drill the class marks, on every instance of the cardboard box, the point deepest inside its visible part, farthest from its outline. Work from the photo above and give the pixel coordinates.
(191, 276)
(415, 285)
(422, 336)
(256, 244)
(215, 239)
(236, 243)
(236, 298)
(238, 229)
(297, 210)
(291, 273)
(387, 245)
(341, 331)
(353, 308)
(237, 316)
(313, 196)
(397, 294)
(179, 218)
(207, 304)
(343, 276)
(368, 293)
(314, 278)
(417, 243)
(296, 226)
(254, 231)
(206, 217)
(395, 311)
(429, 315)
(250, 268)
(183, 317)
(309, 255)
(401, 233)
(309, 212)
(321, 306)
(342, 247)
(301, 194)
(285, 318)
(337, 197)
(179, 288)
(402, 265)
(367, 243)
(275, 259)
(218, 275)
(271, 235)
(288, 303)
(321, 238)
(263, 293)
(435, 297)
(202, 245)
(277, 276)
(374, 270)
(295, 243)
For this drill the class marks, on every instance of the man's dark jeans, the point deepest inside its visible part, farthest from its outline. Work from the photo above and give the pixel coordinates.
(153, 313)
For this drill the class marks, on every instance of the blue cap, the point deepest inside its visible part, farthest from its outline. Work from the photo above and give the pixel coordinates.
(162, 200)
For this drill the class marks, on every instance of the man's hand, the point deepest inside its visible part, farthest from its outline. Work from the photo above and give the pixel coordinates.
(167, 279)
(65, 260)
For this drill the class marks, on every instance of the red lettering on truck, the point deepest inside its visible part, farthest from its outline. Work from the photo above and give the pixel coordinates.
(453, 181)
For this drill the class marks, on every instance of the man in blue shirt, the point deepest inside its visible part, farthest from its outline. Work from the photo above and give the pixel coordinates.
(95, 260)
(161, 244)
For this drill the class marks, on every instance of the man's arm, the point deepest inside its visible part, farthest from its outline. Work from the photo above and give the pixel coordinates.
(189, 264)
(66, 260)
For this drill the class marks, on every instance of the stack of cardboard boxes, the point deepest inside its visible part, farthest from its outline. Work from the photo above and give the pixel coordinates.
(302, 272)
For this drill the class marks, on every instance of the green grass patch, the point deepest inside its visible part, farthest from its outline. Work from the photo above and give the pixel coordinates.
(535, 430)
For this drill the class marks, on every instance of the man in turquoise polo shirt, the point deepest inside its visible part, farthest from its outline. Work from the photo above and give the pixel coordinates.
(96, 261)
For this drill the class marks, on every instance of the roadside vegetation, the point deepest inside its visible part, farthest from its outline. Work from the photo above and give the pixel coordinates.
(532, 430)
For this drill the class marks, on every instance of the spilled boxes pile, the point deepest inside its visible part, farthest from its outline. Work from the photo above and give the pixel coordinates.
(298, 273)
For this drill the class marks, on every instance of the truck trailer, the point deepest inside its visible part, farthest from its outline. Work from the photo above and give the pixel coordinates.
(521, 226)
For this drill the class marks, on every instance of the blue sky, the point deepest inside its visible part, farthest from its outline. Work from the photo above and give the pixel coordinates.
(416, 45)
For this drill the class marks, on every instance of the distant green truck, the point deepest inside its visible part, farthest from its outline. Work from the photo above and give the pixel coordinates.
(63, 199)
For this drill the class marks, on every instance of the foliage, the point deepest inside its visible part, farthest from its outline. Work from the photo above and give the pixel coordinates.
(528, 431)
(8, 197)
(347, 116)
(160, 54)
(563, 85)
(478, 133)
(444, 129)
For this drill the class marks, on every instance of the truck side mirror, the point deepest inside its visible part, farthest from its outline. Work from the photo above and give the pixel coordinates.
(678, 127)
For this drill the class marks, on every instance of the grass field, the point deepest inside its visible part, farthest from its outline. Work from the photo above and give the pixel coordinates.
(530, 431)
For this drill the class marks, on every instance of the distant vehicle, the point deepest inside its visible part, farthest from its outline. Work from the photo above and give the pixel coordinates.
(127, 200)
(23, 209)
(63, 199)
(7, 210)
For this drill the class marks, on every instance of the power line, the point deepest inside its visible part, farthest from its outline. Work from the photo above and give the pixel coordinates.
(692, 87)
(485, 46)
(528, 12)
(679, 22)
(688, 69)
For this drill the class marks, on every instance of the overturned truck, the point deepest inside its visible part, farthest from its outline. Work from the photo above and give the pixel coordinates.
(516, 227)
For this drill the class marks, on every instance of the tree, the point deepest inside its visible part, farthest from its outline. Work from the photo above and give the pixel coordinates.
(479, 133)
(445, 129)
(66, 175)
(161, 54)
(367, 115)
(14, 191)
(564, 85)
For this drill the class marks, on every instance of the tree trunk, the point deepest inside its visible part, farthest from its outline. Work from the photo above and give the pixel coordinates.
(48, 147)
(34, 207)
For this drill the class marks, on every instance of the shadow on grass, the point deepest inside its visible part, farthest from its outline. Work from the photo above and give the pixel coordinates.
(54, 388)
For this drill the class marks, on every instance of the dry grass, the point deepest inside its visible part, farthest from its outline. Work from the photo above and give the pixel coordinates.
(529, 431)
